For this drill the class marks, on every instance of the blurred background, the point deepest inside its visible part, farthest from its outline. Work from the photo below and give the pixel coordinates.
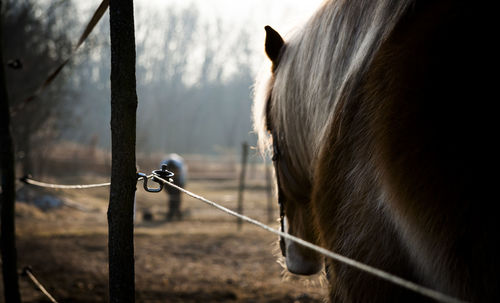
(196, 65)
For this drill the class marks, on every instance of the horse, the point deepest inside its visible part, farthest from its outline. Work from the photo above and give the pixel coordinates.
(382, 125)
(176, 164)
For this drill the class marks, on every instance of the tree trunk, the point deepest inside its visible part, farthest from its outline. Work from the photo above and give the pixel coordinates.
(7, 193)
(123, 169)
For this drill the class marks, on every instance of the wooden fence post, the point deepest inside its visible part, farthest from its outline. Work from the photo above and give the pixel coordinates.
(8, 192)
(123, 163)
(244, 156)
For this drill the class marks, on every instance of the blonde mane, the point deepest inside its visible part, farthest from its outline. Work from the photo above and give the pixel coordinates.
(382, 115)
(321, 62)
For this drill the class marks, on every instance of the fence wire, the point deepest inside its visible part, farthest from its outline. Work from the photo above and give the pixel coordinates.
(50, 77)
(30, 181)
(425, 291)
(61, 186)
(27, 271)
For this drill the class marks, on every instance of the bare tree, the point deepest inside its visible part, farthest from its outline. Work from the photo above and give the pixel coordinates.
(123, 171)
(7, 192)
(39, 39)
(194, 79)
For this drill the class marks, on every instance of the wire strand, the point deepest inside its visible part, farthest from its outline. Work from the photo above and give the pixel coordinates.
(425, 291)
(61, 186)
(27, 271)
(72, 186)
(50, 77)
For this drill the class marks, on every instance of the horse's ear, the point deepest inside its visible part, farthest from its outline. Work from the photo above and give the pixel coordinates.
(274, 44)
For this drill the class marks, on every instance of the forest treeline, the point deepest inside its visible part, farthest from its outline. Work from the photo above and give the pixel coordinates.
(194, 80)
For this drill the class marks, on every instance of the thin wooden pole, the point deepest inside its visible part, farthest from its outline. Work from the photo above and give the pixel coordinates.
(123, 164)
(7, 192)
(244, 156)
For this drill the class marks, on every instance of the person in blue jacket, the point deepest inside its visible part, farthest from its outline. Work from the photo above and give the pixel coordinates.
(175, 164)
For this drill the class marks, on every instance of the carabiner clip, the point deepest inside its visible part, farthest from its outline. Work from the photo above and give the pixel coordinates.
(145, 184)
(163, 173)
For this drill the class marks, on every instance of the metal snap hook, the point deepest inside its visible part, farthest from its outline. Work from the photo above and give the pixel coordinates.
(163, 173)
(145, 184)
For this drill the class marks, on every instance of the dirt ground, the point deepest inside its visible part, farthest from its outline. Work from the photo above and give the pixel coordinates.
(203, 258)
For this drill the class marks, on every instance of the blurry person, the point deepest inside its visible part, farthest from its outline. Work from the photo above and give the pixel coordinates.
(175, 164)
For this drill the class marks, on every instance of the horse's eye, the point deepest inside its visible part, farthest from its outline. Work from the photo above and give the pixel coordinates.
(275, 155)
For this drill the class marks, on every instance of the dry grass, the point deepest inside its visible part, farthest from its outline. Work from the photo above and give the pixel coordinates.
(200, 259)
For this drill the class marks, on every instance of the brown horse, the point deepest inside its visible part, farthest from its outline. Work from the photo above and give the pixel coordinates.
(383, 124)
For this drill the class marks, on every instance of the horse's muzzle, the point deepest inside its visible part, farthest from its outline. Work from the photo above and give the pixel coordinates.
(298, 263)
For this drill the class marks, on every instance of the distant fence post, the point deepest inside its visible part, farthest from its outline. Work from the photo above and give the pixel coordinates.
(8, 192)
(269, 190)
(123, 163)
(244, 156)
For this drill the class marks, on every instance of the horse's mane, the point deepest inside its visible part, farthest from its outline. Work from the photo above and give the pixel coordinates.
(321, 61)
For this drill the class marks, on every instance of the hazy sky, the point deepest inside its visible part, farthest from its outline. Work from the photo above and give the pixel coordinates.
(233, 16)
(240, 22)
(284, 13)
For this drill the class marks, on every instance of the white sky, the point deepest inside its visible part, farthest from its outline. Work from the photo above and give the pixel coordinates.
(282, 15)
(282, 12)
(235, 15)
